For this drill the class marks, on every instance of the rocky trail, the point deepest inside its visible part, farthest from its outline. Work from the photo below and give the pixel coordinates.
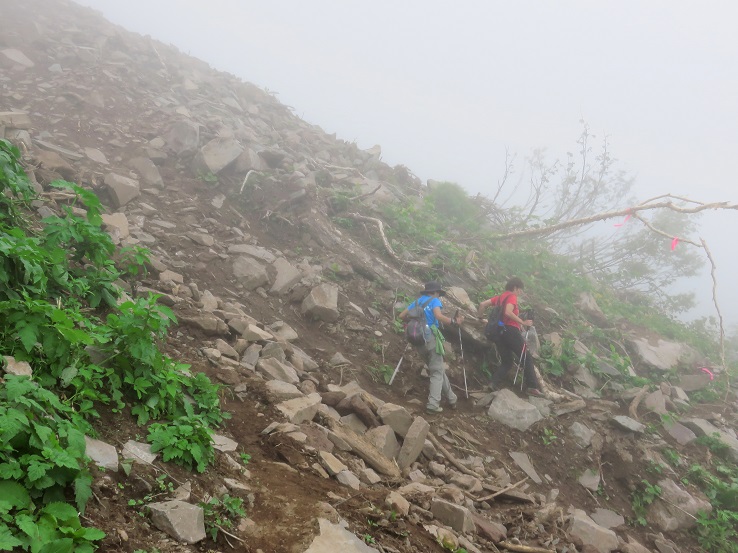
(239, 200)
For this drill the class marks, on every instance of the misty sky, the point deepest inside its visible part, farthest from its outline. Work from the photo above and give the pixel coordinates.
(445, 87)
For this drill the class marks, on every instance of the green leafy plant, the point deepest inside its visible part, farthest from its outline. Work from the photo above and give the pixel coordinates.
(548, 436)
(188, 441)
(642, 498)
(672, 457)
(245, 458)
(555, 361)
(381, 373)
(717, 532)
(220, 513)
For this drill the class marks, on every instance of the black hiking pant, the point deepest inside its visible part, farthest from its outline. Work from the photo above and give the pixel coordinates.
(510, 347)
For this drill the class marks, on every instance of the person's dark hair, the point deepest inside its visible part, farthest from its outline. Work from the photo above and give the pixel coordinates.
(513, 283)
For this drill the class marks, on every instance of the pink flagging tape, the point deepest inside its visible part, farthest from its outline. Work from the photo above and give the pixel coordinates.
(623, 221)
(674, 243)
(708, 371)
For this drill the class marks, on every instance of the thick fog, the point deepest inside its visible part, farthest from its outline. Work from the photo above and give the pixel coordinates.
(446, 88)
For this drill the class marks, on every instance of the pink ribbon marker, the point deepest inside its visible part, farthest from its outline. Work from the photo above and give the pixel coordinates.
(623, 221)
(709, 373)
(674, 243)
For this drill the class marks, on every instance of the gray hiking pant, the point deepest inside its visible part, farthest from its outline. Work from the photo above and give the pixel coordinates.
(439, 384)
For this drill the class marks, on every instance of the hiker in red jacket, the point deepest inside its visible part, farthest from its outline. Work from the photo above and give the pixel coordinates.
(510, 343)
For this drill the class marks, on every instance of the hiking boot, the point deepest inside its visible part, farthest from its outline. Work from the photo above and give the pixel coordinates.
(434, 410)
(535, 392)
(454, 405)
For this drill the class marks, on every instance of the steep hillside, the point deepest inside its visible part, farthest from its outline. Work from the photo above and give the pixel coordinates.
(269, 243)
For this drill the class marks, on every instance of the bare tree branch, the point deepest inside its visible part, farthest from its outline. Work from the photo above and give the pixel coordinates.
(387, 245)
(543, 231)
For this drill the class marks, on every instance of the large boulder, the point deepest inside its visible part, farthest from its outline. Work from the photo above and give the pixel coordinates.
(300, 409)
(661, 354)
(413, 443)
(122, 189)
(589, 308)
(183, 138)
(510, 410)
(675, 508)
(216, 155)
(587, 533)
(322, 303)
(701, 427)
(182, 521)
(456, 516)
(250, 273)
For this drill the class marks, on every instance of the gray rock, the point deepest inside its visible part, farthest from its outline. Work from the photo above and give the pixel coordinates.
(590, 480)
(586, 378)
(224, 444)
(17, 57)
(586, 532)
(15, 120)
(300, 409)
(701, 427)
(147, 170)
(331, 464)
(287, 277)
(334, 538)
(522, 460)
(122, 189)
(629, 424)
(209, 324)
(384, 439)
(493, 531)
(216, 155)
(226, 349)
(18, 368)
(354, 423)
(250, 273)
(662, 354)
(589, 308)
(510, 410)
(349, 479)
(182, 521)
(397, 417)
(274, 369)
(249, 160)
(672, 509)
(183, 138)
(694, 382)
(278, 391)
(104, 455)
(582, 434)
(397, 503)
(140, 453)
(283, 331)
(322, 303)
(457, 517)
(413, 443)
(96, 155)
(655, 402)
(607, 518)
(680, 433)
(257, 252)
(116, 224)
(273, 350)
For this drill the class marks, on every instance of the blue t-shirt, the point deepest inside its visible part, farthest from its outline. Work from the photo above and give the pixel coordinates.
(430, 318)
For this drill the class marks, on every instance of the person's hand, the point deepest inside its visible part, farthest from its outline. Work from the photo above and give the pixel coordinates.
(527, 322)
(459, 319)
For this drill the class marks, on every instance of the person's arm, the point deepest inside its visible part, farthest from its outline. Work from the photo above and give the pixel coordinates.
(483, 307)
(403, 315)
(509, 313)
(447, 320)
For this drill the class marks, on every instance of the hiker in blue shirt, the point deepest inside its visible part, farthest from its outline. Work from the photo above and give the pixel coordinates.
(432, 349)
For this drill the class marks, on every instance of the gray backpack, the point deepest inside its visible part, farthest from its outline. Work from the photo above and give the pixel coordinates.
(415, 325)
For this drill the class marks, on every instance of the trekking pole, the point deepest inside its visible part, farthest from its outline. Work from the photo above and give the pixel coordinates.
(397, 368)
(523, 355)
(461, 348)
